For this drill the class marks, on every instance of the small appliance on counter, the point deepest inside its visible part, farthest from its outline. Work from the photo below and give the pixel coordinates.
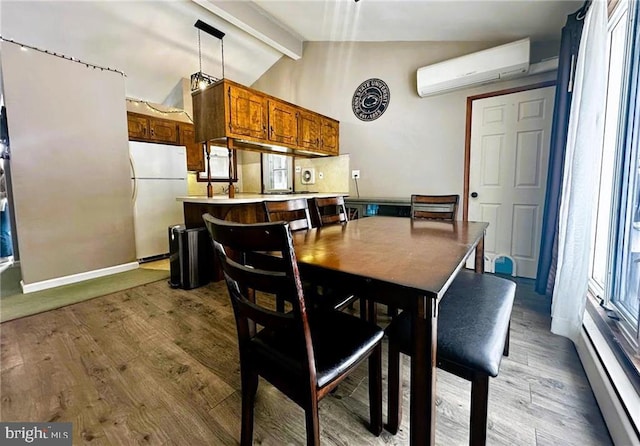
(191, 257)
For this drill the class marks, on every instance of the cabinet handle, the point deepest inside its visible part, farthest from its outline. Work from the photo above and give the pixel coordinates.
(270, 130)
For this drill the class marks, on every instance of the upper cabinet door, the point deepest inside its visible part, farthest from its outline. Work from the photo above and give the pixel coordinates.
(309, 130)
(152, 129)
(138, 127)
(330, 136)
(161, 130)
(195, 151)
(247, 113)
(283, 123)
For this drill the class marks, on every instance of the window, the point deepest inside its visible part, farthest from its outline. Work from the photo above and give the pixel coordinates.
(277, 173)
(603, 218)
(615, 261)
(219, 164)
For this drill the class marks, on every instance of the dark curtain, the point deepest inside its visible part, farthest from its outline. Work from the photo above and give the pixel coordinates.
(567, 59)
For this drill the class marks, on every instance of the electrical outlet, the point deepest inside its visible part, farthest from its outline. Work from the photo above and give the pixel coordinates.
(355, 174)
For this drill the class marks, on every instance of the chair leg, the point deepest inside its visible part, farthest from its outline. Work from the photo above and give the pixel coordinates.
(279, 304)
(372, 311)
(312, 423)
(249, 389)
(479, 403)
(505, 352)
(394, 401)
(375, 390)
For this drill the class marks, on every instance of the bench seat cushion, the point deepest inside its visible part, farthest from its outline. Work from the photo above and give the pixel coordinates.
(472, 323)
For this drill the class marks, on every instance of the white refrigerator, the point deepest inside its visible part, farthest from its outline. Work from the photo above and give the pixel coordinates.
(158, 176)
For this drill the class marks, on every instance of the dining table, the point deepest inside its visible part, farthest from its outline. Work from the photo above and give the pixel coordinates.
(404, 263)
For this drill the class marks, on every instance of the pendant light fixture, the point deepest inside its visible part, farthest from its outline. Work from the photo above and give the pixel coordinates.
(201, 80)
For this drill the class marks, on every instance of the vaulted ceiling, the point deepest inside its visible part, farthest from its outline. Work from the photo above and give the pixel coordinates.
(156, 45)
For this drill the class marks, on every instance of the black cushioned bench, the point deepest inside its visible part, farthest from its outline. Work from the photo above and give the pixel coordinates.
(473, 324)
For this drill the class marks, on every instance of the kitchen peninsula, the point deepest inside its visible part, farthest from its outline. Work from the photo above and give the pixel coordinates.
(243, 208)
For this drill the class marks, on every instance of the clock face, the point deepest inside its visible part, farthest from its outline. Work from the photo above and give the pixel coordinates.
(370, 99)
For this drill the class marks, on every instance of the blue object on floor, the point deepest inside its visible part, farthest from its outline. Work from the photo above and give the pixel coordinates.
(504, 265)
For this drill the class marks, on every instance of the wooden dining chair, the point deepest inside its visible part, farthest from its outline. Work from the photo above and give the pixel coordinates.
(445, 208)
(434, 207)
(294, 211)
(304, 355)
(473, 321)
(331, 211)
(431, 207)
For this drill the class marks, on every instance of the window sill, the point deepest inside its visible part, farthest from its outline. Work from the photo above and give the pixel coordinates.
(626, 354)
(612, 372)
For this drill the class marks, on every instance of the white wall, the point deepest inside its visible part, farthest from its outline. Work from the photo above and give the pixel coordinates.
(417, 145)
(70, 165)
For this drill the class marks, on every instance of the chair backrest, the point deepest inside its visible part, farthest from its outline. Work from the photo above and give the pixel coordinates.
(434, 207)
(330, 210)
(294, 211)
(260, 258)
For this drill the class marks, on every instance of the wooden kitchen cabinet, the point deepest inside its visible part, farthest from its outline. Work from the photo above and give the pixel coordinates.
(147, 128)
(283, 123)
(151, 129)
(247, 112)
(227, 112)
(138, 126)
(195, 152)
(330, 136)
(318, 133)
(162, 130)
(309, 125)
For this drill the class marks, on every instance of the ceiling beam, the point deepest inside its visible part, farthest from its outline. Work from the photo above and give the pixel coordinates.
(252, 19)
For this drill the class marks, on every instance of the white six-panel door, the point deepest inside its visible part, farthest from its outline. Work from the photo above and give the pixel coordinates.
(510, 137)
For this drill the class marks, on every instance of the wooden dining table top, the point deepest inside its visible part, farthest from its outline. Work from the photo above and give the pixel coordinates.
(420, 256)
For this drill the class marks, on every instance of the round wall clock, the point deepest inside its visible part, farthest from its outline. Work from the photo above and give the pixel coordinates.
(371, 99)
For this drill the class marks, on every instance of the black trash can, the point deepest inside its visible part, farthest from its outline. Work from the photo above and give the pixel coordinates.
(191, 257)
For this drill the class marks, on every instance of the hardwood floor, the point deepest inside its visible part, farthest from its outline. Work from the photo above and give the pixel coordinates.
(154, 365)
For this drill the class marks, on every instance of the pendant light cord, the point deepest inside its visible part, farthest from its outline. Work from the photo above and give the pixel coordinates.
(199, 52)
(222, 51)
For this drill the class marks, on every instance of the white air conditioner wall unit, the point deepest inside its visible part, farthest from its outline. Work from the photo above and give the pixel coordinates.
(501, 62)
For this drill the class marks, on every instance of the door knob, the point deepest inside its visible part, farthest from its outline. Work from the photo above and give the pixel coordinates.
(474, 194)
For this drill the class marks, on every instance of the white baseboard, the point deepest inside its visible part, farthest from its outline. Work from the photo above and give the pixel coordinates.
(619, 423)
(74, 278)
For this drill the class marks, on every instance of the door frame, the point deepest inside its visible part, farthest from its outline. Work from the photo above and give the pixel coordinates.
(467, 136)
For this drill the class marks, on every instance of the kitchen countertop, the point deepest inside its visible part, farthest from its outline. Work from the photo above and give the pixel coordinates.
(246, 198)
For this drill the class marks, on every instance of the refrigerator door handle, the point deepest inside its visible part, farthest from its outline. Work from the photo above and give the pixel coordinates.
(134, 181)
